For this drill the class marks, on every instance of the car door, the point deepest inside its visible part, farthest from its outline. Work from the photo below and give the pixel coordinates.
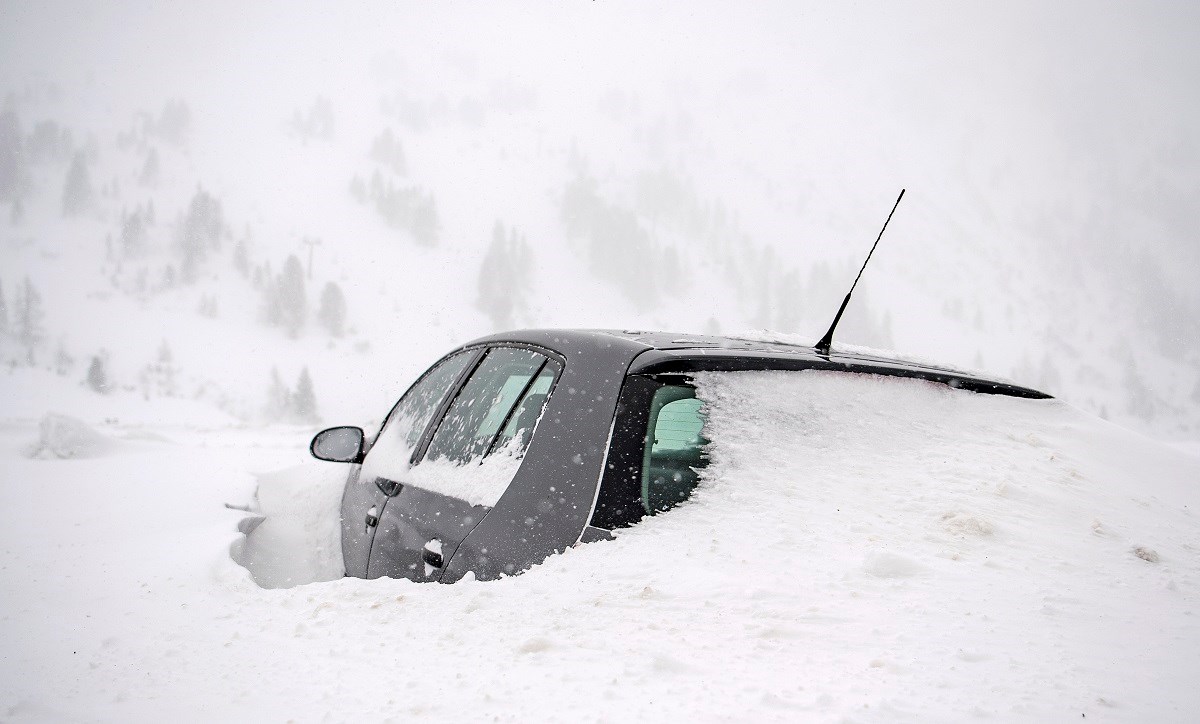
(467, 464)
(368, 487)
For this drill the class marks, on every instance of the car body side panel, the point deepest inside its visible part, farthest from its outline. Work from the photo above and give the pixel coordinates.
(358, 498)
(414, 518)
(548, 504)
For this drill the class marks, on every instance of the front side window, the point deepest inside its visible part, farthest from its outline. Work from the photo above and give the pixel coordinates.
(479, 444)
(485, 404)
(390, 454)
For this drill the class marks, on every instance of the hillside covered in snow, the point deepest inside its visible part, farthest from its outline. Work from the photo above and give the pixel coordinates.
(207, 202)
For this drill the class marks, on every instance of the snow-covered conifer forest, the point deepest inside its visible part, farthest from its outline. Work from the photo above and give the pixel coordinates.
(226, 225)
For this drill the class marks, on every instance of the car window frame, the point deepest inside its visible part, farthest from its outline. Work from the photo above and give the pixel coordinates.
(481, 351)
(620, 483)
(468, 369)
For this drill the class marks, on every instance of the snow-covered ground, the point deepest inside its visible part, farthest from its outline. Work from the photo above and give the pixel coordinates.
(861, 548)
(182, 186)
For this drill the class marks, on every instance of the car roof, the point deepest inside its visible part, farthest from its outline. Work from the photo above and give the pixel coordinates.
(655, 352)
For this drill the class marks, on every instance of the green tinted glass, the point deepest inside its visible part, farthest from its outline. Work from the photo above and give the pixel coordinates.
(674, 448)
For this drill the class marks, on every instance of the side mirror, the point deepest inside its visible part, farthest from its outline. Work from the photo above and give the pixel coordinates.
(338, 445)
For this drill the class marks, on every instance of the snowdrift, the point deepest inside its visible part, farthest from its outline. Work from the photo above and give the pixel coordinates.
(861, 548)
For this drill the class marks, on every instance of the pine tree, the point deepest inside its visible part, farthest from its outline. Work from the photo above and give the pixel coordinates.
(150, 169)
(278, 398)
(77, 191)
(97, 377)
(425, 222)
(1139, 398)
(200, 233)
(289, 291)
(504, 277)
(163, 372)
(133, 234)
(358, 189)
(332, 313)
(387, 150)
(17, 213)
(12, 157)
(241, 258)
(63, 361)
(27, 321)
(173, 122)
(304, 400)
(4, 311)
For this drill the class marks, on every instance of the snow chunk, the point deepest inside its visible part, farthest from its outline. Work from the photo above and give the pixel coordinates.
(892, 565)
(1146, 554)
(479, 482)
(295, 537)
(61, 436)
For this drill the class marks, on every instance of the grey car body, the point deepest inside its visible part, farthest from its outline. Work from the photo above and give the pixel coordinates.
(585, 443)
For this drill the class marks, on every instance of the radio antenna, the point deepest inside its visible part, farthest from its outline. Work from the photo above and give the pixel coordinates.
(822, 347)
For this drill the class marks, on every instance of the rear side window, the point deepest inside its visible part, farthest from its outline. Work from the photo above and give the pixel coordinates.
(656, 454)
(674, 448)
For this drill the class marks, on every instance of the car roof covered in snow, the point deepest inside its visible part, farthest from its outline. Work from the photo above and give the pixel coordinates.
(681, 353)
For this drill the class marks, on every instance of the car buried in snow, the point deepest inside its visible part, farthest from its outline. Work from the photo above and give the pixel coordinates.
(517, 446)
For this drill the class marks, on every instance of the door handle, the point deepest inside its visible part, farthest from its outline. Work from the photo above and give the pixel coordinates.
(390, 488)
(432, 553)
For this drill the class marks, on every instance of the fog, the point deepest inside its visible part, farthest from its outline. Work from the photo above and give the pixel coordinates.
(456, 169)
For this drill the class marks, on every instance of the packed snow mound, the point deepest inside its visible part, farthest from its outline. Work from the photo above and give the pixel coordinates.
(294, 535)
(872, 548)
(861, 548)
(60, 436)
